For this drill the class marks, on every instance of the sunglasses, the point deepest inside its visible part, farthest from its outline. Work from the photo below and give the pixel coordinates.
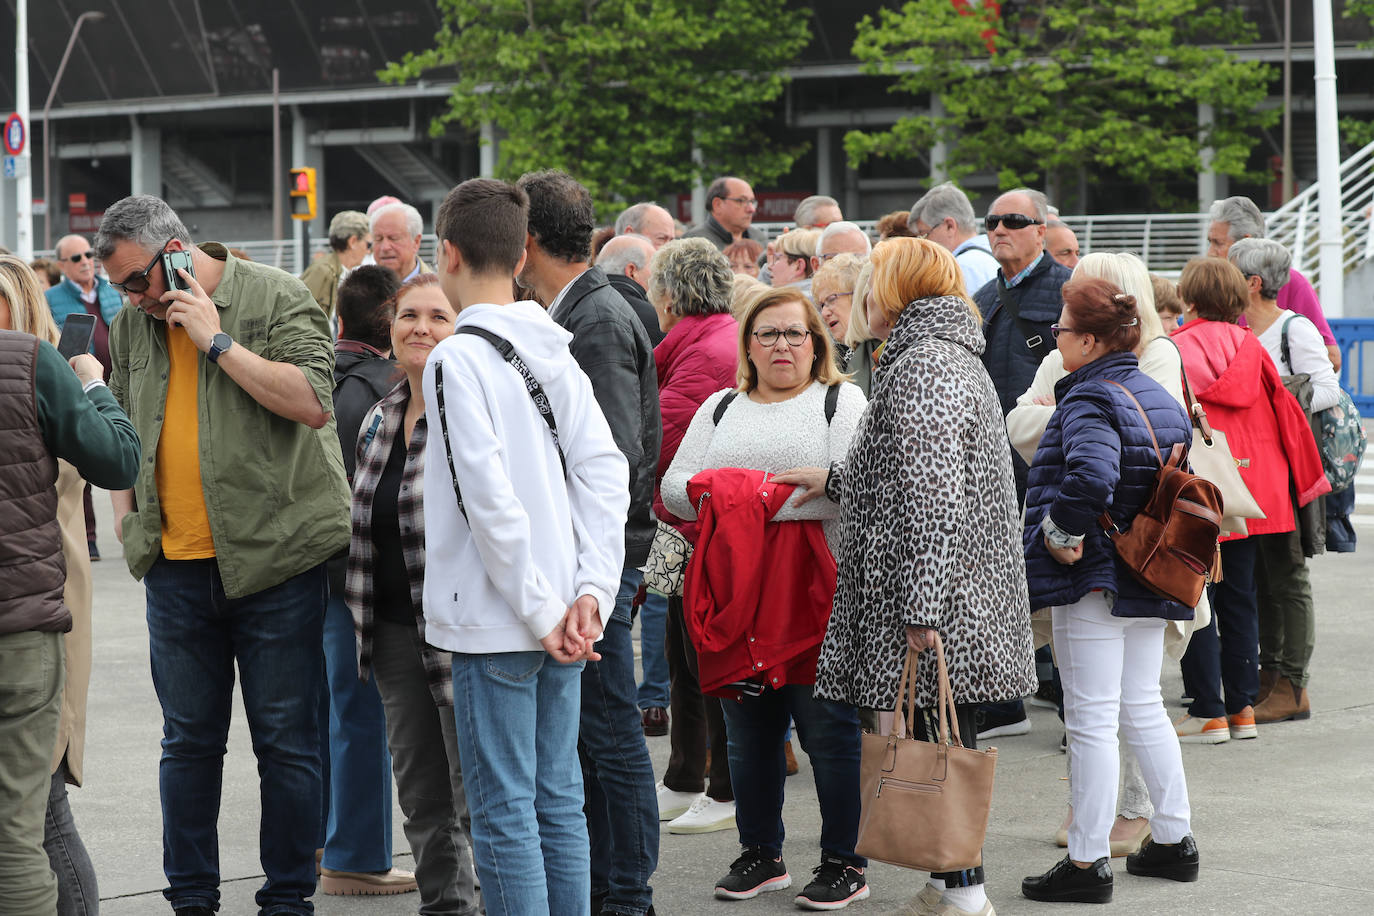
(1012, 221)
(138, 283)
(85, 255)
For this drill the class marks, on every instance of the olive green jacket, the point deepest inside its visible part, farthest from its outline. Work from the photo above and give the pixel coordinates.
(275, 490)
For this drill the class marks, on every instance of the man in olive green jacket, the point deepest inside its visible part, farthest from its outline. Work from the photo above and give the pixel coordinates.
(226, 369)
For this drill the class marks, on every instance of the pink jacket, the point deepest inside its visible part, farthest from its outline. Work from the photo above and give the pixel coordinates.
(697, 358)
(1236, 381)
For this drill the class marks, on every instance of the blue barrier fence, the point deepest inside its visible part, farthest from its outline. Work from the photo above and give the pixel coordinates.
(1355, 337)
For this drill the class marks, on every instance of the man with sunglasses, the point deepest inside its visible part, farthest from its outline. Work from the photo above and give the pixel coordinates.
(225, 368)
(730, 209)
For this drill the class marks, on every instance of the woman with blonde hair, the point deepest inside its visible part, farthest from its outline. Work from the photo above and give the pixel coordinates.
(863, 346)
(832, 290)
(920, 560)
(24, 308)
(792, 253)
(792, 409)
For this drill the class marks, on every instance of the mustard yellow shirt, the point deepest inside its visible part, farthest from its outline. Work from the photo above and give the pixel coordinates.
(185, 523)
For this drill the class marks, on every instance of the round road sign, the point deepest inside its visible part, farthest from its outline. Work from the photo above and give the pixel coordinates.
(14, 135)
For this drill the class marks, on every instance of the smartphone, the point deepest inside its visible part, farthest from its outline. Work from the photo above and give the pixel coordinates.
(77, 330)
(171, 260)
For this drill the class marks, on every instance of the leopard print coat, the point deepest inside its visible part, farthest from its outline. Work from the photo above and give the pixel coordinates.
(930, 529)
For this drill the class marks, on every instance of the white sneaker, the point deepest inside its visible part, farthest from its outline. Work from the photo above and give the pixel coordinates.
(705, 816)
(672, 803)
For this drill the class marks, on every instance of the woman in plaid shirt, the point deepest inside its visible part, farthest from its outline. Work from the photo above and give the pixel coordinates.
(386, 572)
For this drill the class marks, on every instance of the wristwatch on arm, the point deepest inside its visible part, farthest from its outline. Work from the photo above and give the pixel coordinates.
(218, 344)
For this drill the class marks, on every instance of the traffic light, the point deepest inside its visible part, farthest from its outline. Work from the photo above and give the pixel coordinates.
(303, 193)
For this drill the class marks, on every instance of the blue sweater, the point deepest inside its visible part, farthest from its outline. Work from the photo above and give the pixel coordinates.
(1096, 454)
(65, 299)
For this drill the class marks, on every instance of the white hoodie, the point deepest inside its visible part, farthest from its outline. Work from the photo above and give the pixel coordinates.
(536, 542)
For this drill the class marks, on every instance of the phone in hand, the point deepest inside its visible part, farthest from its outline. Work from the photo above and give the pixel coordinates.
(171, 260)
(77, 331)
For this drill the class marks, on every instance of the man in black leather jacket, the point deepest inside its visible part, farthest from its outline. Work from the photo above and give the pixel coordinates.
(611, 346)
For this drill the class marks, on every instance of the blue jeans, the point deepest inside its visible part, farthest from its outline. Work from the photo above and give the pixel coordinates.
(616, 765)
(653, 622)
(517, 717)
(829, 734)
(356, 769)
(196, 636)
(1223, 657)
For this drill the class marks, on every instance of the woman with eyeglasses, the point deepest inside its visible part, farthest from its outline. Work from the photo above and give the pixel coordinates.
(764, 548)
(920, 555)
(832, 289)
(1101, 453)
(791, 263)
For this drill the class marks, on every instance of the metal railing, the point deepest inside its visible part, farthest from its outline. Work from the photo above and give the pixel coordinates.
(1295, 224)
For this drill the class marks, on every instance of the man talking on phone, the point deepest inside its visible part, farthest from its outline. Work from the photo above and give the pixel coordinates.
(225, 368)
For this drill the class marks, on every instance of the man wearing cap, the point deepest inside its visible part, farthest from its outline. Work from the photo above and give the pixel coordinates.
(348, 243)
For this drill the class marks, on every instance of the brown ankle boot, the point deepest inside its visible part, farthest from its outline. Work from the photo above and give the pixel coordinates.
(1267, 680)
(1286, 701)
(792, 767)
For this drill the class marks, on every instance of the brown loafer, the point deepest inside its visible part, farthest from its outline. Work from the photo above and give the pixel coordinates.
(655, 721)
(355, 883)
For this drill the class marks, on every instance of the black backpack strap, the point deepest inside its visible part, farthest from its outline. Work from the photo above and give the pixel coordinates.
(722, 406)
(1283, 336)
(832, 402)
(1035, 341)
(532, 386)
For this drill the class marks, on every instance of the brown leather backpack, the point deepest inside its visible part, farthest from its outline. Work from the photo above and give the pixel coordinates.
(1171, 544)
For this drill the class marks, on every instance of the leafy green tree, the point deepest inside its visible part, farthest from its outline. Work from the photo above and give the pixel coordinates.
(1358, 131)
(1039, 89)
(636, 98)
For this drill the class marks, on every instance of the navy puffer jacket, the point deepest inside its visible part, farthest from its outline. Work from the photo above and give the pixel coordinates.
(1096, 454)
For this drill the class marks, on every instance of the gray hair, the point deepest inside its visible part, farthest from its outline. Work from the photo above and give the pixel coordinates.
(145, 220)
(942, 202)
(415, 223)
(1263, 258)
(1240, 214)
(835, 229)
(617, 255)
(693, 277)
(632, 215)
(805, 214)
(1039, 202)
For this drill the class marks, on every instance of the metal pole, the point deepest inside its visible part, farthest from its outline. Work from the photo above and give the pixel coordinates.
(23, 208)
(276, 158)
(1332, 277)
(47, 144)
(1286, 193)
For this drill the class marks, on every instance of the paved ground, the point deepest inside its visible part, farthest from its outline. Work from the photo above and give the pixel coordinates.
(1282, 821)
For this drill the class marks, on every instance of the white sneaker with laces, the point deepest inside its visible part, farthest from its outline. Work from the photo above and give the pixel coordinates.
(672, 803)
(706, 815)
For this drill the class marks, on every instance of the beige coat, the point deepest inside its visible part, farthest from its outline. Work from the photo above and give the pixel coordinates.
(71, 730)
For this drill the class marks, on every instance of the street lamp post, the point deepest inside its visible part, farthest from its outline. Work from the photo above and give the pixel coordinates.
(47, 148)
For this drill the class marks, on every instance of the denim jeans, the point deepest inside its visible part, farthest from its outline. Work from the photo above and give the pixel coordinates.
(653, 655)
(32, 669)
(196, 637)
(1224, 655)
(517, 718)
(616, 765)
(355, 765)
(77, 893)
(829, 734)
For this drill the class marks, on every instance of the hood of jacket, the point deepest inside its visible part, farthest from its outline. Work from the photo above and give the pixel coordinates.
(1223, 362)
(541, 344)
(945, 317)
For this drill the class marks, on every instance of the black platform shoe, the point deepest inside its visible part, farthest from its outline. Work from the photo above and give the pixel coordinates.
(1067, 883)
(1178, 862)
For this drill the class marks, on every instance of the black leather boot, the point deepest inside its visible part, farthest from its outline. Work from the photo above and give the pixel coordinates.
(1067, 883)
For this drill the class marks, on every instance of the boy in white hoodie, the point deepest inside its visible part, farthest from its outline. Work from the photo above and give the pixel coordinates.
(525, 502)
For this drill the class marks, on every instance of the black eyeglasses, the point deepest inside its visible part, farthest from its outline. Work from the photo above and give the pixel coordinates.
(795, 337)
(78, 258)
(138, 283)
(1011, 221)
(1056, 330)
(744, 201)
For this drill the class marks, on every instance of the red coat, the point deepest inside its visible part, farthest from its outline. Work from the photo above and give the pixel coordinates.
(1235, 379)
(758, 593)
(698, 358)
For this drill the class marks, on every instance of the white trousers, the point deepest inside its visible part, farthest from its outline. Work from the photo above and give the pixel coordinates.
(1110, 670)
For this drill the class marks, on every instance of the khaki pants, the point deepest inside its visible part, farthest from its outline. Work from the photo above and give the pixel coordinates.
(31, 674)
(1287, 619)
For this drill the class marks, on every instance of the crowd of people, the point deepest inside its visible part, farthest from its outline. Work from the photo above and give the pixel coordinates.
(799, 462)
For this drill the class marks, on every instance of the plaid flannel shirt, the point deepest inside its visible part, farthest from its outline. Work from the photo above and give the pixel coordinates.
(373, 452)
